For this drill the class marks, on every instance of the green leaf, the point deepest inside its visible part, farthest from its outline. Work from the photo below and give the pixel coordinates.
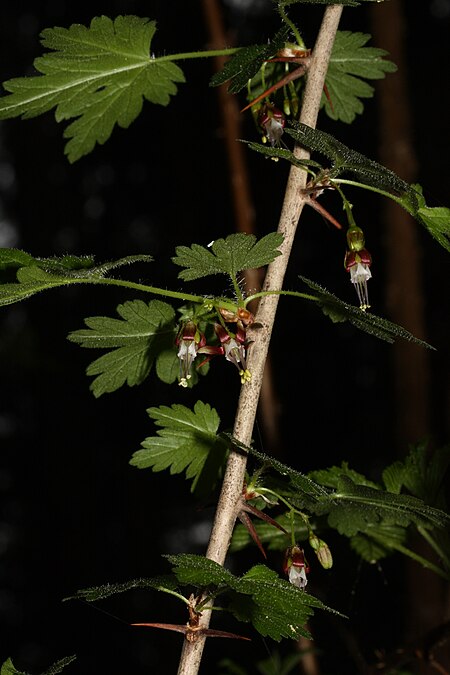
(436, 219)
(354, 508)
(59, 666)
(196, 570)
(227, 256)
(40, 274)
(370, 173)
(136, 339)
(274, 607)
(348, 161)
(187, 441)
(340, 311)
(8, 667)
(351, 61)
(162, 583)
(378, 541)
(244, 65)
(99, 74)
(422, 473)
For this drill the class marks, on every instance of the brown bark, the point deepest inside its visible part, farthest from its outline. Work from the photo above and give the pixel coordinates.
(425, 604)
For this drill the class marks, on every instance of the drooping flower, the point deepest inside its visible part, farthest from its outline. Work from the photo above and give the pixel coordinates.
(272, 120)
(189, 340)
(296, 566)
(235, 348)
(357, 261)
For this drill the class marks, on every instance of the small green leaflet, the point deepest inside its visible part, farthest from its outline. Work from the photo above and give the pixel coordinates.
(187, 441)
(247, 62)
(274, 607)
(166, 584)
(136, 340)
(339, 311)
(350, 63)
(9, 669)
(40, 274)
(227, 256)
(98, 74)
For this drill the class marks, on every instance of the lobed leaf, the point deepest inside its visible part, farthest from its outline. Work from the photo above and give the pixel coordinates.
(187, 441)
(99, 75)
(351, 62)
(274, 607)
(143, 332)
(227, 256)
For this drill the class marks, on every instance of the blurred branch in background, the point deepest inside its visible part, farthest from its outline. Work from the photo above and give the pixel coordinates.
(425, 602)
(244, 210)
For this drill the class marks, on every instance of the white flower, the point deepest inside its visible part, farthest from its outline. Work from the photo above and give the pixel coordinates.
(297, 576)
(359, 276)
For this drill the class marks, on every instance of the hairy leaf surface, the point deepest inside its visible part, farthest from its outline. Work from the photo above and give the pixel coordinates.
(161, 583)
(99, 74)
(244, 65)
(40, 274)
(340, 311)
(274, 607)
(8, 667)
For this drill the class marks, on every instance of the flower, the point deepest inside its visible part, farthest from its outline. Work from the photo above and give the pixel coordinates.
(296, 567)
(234, 348)
(272, 120)
(357, 261)
(189, 340)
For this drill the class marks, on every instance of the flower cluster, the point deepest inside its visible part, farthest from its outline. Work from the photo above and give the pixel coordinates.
(233, 345)
(357, 261)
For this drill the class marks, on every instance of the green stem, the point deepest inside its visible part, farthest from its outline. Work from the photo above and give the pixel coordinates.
(347, 206)
(411, 554)
(434, 545)
(187, 297)
(346, 181)
(291, 25)
(182, 56)
(295, 294)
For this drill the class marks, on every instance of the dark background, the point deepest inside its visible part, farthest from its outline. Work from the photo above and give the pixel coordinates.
(73, 512)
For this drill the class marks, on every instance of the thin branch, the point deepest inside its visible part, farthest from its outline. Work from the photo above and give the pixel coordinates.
(248, 401)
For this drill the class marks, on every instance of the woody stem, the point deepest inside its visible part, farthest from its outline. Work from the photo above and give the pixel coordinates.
(294, 201)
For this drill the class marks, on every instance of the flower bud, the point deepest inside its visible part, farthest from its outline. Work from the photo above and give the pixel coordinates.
(322, 551)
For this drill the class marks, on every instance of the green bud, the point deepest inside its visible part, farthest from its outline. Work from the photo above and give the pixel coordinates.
(355, 238)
